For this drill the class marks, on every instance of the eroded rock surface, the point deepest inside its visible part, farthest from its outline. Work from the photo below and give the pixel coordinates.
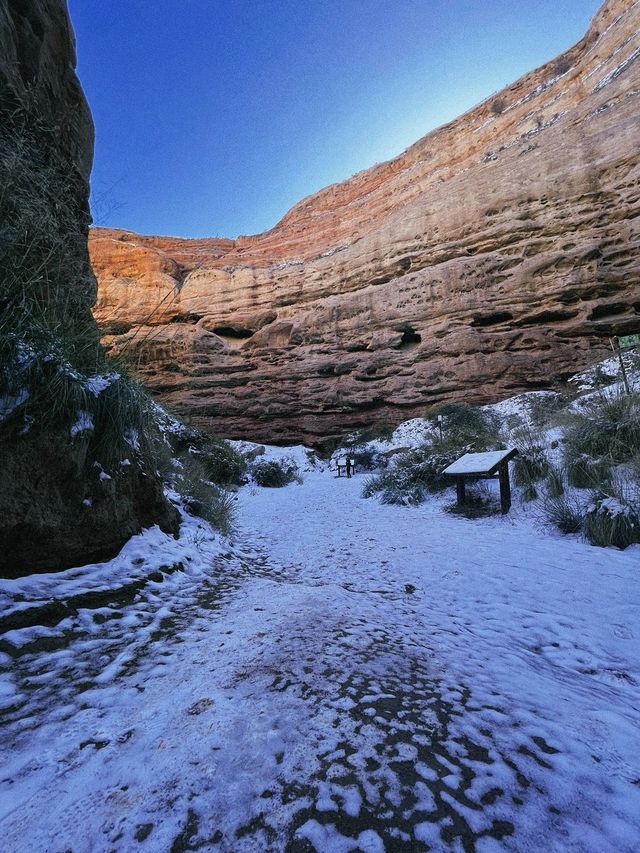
(494, 255)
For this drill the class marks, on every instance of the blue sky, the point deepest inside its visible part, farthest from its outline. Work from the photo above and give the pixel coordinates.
(213, 118)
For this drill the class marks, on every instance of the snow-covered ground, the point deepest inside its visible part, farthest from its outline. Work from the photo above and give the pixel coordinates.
(344, 676)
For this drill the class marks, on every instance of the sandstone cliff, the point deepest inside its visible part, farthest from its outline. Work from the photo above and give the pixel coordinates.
(494, 255)
(58, 505)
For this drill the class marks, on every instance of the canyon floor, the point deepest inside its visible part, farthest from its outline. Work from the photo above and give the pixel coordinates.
(345, 676)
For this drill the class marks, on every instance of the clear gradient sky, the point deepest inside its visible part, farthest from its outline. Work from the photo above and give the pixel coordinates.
(214, 118)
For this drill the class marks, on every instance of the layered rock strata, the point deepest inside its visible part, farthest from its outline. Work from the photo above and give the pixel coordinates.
(493, 256)
(58, 507)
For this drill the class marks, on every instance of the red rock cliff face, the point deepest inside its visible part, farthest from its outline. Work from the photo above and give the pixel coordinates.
(490, 257)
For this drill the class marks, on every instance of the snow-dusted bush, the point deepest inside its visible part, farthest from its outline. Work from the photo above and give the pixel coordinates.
(202, 497)
(366, 434)
(365, 458)
(555, 482)
(585, 471)
(223, 464)
(411, 475)
(466, 428)
(544, 406)
(109, 410)
(46, 285)
(612, 520)
(124, 422)
(530, 466)
(532, 463)
(606, 427)
(273, 474)
(564, 512)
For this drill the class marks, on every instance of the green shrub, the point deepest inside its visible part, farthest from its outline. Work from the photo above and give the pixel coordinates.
(605, 428)
(372, 485)
(612, 520)
(543, 407)
(564, 512)
(466, 428)
(124, 423)
(411, 475)
(51, 390)
(513, 422)
(46, 284)
(202, 497)
(529, 493)
(272, 474)
(377, 431)
(120, 414)
(364, 458)
(555, 482)
(530, 466)
(223, 464)
(585, 472)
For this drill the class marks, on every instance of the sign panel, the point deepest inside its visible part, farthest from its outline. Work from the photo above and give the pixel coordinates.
(628, 341)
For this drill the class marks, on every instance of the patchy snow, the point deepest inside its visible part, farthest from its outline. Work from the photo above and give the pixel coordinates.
(137, 558)
(409, 434)
(10, 402)
(132, 438)
(521, 406)
(606, 374)
(302, 457)
(84, 422)
(345, 675)
(612, 507)
(281, 265)
(97, 384)
(413, 433)
(334, 250)
(617, 71)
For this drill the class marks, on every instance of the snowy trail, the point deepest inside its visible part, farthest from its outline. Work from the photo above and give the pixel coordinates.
(349, 677)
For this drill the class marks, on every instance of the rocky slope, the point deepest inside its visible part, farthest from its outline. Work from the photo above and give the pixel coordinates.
(58, 505)
(494, 255)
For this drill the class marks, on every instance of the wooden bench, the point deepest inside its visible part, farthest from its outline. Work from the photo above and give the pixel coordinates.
(494, 464)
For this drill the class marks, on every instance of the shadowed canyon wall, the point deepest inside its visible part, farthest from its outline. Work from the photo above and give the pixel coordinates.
(58, 507)
(494, 255)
